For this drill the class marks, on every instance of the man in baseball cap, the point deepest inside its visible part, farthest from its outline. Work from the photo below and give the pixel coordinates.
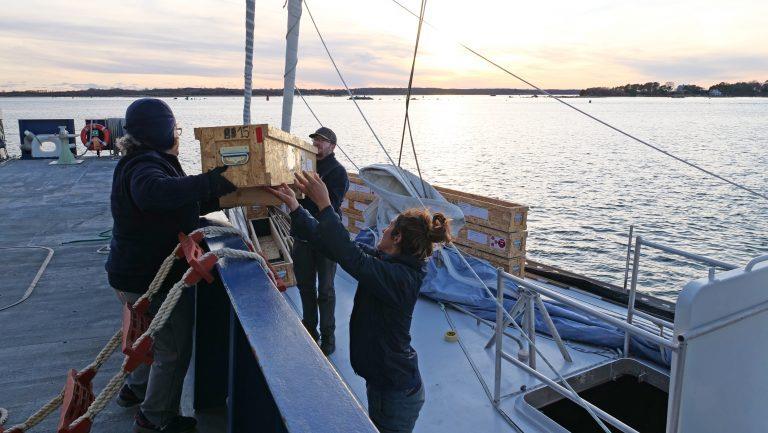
(311, 266)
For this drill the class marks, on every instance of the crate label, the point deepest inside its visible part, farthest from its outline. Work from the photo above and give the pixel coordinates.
(518, 218)
(345, 220)
(498, 243)
(359, 224)
(360, 206)
(480, 238)
(360, 188)
(306, 163)
(475, 211)
(236, 133)
(345, 203)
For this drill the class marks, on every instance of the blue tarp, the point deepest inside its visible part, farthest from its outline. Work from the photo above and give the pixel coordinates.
(449, 280)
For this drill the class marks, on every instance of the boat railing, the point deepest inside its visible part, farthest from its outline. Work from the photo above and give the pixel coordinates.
(631, 308)
(529, 329)
(704, 295)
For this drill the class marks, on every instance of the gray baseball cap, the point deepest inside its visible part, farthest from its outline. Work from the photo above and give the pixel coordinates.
(324, 133)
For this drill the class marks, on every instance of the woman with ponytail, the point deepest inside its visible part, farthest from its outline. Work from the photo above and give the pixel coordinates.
(389, 278)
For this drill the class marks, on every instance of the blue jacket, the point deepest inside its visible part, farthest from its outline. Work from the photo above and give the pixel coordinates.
(387, 290)
(152, 201)
(334, 175)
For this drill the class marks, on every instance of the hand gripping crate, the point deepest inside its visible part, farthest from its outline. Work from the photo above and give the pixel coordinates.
(257, 156)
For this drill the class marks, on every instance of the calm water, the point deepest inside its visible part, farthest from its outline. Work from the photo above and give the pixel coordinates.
(584, 183)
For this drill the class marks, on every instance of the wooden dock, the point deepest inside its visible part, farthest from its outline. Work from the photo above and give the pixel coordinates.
(72, 312)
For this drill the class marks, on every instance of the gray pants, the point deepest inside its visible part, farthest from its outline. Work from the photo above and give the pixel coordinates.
(161, 383)
(394, 411)
(314, 278)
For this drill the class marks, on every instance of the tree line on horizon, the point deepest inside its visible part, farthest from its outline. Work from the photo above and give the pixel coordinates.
(653, 88)
(222, 91)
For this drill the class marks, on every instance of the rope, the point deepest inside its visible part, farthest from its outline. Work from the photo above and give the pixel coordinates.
(116, 382)
(406, 119)
(321, 124)
(54, 403)
(39, 274)
(620, 131)
(341, 77)
(560, 377)
(248, 72)
(578, 398)
(475, 369)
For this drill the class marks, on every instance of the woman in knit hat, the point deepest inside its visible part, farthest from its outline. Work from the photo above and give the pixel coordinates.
(152, 201)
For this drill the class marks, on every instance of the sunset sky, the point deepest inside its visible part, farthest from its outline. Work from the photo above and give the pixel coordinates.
(58, 44)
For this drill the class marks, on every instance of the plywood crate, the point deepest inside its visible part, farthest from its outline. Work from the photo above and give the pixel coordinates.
(488, 212)
(513, 265)
(267, 239)
(353, 207)
(492, 241)
(256, 212)
(358, 190)
(257, 155)
(353, 223)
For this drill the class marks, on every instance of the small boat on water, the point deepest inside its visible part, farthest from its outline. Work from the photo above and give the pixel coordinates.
(531, 349)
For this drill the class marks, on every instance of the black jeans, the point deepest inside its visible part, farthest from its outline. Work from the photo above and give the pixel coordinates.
(394, 411)
(314, 278)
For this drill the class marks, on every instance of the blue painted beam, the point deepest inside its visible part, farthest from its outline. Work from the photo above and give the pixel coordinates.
(308, 392)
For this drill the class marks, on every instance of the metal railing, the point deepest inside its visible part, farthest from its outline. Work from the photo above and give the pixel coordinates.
(631, 312)
(529, 367)
(676, 344)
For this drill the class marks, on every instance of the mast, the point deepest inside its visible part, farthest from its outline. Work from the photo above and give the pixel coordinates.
(291, 61)
(250, 6)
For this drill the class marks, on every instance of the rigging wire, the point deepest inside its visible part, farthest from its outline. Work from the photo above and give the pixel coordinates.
(575, 396)
(351, 97)
(406, 118)
(620, 131)
(321, 124)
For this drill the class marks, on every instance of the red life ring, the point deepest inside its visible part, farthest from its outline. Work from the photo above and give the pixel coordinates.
(95, 130)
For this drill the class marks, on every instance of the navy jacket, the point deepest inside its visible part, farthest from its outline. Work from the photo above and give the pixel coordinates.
(387, 290)
(334, 175)
(152, 201)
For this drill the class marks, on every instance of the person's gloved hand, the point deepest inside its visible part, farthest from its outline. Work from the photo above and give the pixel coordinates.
(219, 185)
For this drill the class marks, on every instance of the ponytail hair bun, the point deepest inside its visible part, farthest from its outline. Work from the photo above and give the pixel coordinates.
(419, 231)
(439, 230)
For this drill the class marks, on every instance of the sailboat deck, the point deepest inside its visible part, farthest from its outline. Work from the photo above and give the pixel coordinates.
(73, 312)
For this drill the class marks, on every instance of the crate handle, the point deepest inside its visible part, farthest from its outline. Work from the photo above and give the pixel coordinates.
(235, 155)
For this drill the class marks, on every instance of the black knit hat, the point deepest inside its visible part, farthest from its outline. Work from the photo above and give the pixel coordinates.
(151, 121)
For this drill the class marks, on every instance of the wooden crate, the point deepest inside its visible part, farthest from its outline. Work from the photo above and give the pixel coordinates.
(353, 223)
(359, 191)
(513, 265)
(488, 212)
(267, 239)
(256, 212)
(257, 155)
(353, 207)
(492, 241)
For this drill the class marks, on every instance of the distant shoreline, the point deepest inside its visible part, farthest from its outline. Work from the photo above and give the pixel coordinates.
(200, 92)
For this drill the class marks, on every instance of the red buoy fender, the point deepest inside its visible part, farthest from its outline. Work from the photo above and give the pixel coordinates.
(102, 133)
